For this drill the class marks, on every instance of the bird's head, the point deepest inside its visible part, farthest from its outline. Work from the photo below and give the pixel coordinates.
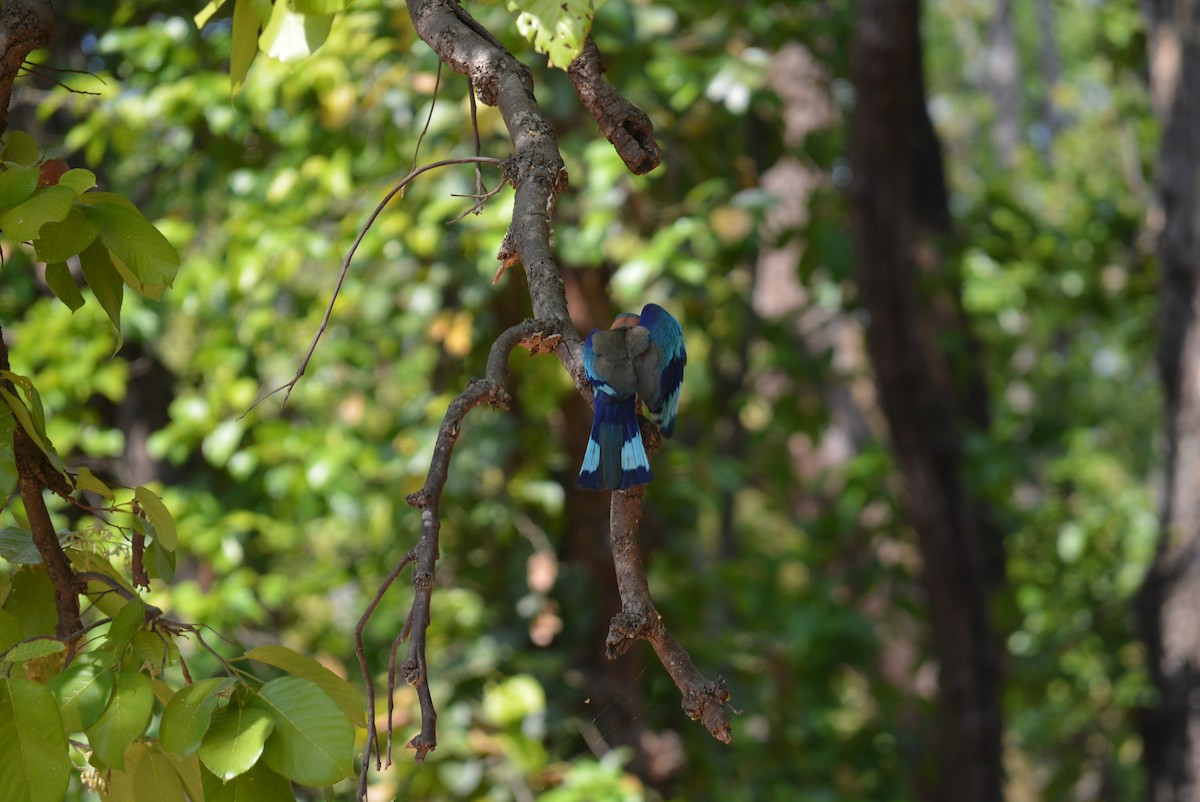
(625, 320)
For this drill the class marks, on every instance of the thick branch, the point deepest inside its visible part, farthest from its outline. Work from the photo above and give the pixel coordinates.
(702, 700)
(623, 124)
(538, 171)
(25, 25)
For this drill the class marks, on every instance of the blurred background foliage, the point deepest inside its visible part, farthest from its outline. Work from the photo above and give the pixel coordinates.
(777, 551)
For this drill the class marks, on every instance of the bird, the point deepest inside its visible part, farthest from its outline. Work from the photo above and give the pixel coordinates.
(640, 356)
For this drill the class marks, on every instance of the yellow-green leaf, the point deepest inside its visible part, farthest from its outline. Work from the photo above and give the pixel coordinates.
(20, 148)
(33, 745)
(124, 718)
(160, 517)
(245, 43)
(62, 283)
(299, 665)
(47, 205)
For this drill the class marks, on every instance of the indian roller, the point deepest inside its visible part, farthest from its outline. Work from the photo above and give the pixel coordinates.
(641, 356)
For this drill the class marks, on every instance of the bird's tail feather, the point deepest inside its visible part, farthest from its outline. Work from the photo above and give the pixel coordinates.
(615, 458)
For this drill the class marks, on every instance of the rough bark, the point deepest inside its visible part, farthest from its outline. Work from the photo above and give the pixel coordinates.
(898, 204)
(25, 26)
(1169, 604)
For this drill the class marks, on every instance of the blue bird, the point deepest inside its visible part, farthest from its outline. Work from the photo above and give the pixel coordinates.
(640, 356)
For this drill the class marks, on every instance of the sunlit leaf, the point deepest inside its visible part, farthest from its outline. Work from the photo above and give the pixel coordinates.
(235, 739)
(159, 515)
(321, 6)
(86, 480)
(300, 665)
(78, 179)
(48, 205)
(124, 718)
(33, 649)
(17, 185)
(189, 713)
(205, 14)
(126, 622)
(154, 777)
(290, 36)
(555, 27)
(33, 745)
(136, 242)
(189, 771)
(313, 741)
(82, 690)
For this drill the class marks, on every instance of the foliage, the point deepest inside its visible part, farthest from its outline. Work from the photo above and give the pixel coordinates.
(779, 552)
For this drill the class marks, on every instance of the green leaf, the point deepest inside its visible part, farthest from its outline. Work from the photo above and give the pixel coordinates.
(259, 784)
(60, 241)
(86, 480)
(33, 649)
(31, 600)
(557, 28)
(78, 179)
(188, 714)
(126, 622)
(245, 43)
(235, 740)
(155, 649)
(105, 282)
(20, 148)
(321, 6)
(290, 36)
(82, 691)
(48, 205)
(59, 277)
(154, 776)
(160, 563)
(33, 745)
(10, 631)
(26, 419)
(299, 665)
(136, 242)
(16, 185)
(124, 718)
(313, 742)
(16, 546)
(159, 515)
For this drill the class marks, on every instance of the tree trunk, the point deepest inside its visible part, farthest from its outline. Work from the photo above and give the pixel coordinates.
(898, 205)
(1169, 604)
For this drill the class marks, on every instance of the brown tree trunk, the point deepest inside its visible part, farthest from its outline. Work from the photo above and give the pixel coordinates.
(898, 206)
(1169, 604)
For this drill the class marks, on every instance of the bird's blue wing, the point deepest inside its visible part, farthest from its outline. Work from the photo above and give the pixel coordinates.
(666, 338)
(616, 457)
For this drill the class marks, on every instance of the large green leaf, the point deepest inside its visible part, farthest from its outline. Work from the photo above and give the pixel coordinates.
(60, 241)
(33, 745)
(189, 713)
(259, 784)
(290, 36)
(159, 515)
(48, 205)
(155, 778)
(123, 720)
(299, 665)
(557, 28)
(62, 283)
(135, 241)
(20, 148)
(189, 770)
(78, 179)
(82, 691)
(235, 739)
(34, 649)
(17, 185)
(313, 742)
(105, 281)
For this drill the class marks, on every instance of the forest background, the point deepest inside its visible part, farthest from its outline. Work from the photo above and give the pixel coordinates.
(790, 542)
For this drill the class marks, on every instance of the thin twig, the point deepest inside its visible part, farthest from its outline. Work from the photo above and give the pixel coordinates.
(29, 70)
(287, 388)
(437, 84)
(480, 189)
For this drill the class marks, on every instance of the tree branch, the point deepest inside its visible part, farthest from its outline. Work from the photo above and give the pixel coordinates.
(702, 700)
(623, 124)
(25, 25)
